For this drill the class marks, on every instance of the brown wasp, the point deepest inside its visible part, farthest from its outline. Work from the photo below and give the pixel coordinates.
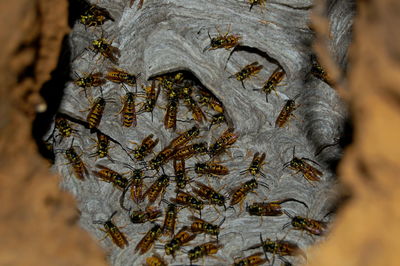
(150, 214)
(256, 165)
(187, 200)
(272, 208)
(185, 137)
(78, 166)
(200, 226)
(311, 226)
(170, 218)
(239, 193)
(112, 230)
(286, 112)
(252, 260)
(170, 114)
(95, 16)
(157, 188)
(161, 158)
(271, 84)
(279, 247)
(155, 260)
(209, 194)
(198, 114)
(180, 239)
(110, 176)
(121, 76)
(187, 152)
(227, 139)
(247, 72)
(148, 240)
(207, 98)
(319, 72)
(106, 49)
(145, 147)
(181, 178)
(309, 172)
(210, 169)
(203, 250)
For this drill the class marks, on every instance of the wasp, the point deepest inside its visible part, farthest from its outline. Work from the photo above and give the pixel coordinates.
(112, 230)
(121, 76)
(198, 114)
(217, 119)
(311, 226)
(161, 158)
(145, 148)
(110, 176)
(63, 126)
(286, 112)
(181, 238)
(169, 81)
(272, 208)
(90, 80)
(187, 152)
(203, 250)
(157, 188)
(209, 194)
(226, 41)
(155, 260)
(103, 145)
(210, 169)
(95, 16)
(279, 247)
(252, 260)
(185, 137)
(136, 185)
(185, 199)
(241, 192)
(227, 139)
(309, 172)
(151, 99)
(95, 113)
(271, 84)
(170, 218)
(77, 164)
(170, 115)
(256, 165)
(148, 240)
(318, 71)
(180, 174)
(206, 98)
(105, 48)
(247, 72)
(128, 110)
(150, 214)
(200, 226)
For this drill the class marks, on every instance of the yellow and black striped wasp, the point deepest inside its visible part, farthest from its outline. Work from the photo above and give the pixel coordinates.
(62, 125)
(272, 82)
(226, 139)
(279, 247)
(203, 250)
(191, 104)
(252, 260)
(151, 99)
(136, 186)
(212, 169)
(180, 239)
(309, 172)
(89, 81)
(200, 226)
(256, 3)
(108, 175)
(239, 193)
(171, 114)
(155, 260)
(319, 72)
(311, 226)
(149, 214)
(272, 208)
(95, 16)
(247, 72)
(181, 177)
(161, 158)
(148, 240)
(117, 237)
(103, 145)
(209, 194)
(187, 152)
(105, 48)
(145, 148)
(187, 200)
(96, 113)
(128, 109)
(256, 165)
(75, 160)
(171, 214)
(185, 137)
(217, 119)
(157, 188)
(207, 98)
(286, 113)
(121, 76)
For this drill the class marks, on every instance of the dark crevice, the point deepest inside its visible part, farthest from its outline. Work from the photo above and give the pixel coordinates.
(253, 50)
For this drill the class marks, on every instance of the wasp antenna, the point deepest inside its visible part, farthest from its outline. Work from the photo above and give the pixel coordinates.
(122, 198)
(288, 214)
(223, 220)
(286, 165)
(112, 215)
(263, 184)
(286, 225)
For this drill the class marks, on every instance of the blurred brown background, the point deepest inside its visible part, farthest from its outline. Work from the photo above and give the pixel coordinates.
(39, 222)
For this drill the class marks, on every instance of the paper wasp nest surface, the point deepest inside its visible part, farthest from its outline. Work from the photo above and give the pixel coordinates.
(166, 37)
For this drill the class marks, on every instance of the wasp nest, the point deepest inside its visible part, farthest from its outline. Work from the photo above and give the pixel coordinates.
(189, 52)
